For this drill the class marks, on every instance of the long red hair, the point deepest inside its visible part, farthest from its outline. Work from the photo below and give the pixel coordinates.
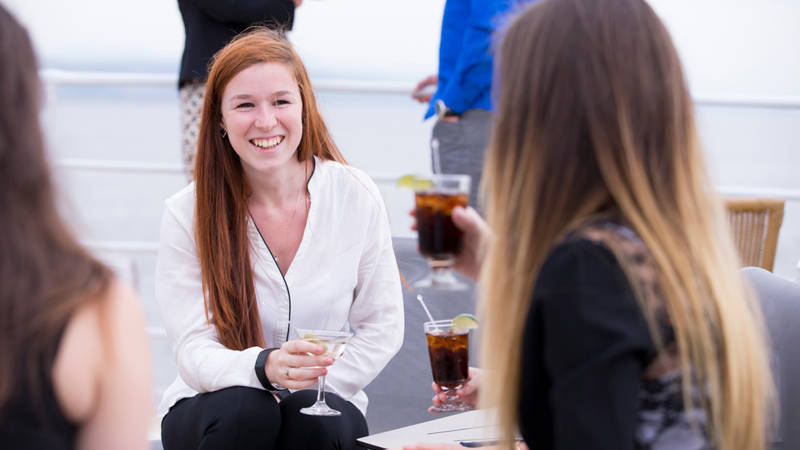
(222, 189)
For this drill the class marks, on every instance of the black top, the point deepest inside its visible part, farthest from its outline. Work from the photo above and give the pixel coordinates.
(586, 344)
(210, 24)
(33, 419)
(587, 379)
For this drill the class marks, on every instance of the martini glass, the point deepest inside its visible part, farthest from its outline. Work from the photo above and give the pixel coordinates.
(334, 343)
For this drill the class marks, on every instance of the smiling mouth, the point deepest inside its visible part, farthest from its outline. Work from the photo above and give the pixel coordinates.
(267, 144)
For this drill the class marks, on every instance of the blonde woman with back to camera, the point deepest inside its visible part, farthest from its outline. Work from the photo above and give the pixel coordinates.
(614, 313)
(74, 361)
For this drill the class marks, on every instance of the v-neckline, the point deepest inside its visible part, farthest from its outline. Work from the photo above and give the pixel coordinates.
(297, 254)
(306, 230)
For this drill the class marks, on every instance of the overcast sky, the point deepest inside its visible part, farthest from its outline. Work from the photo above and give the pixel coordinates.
(729, 47)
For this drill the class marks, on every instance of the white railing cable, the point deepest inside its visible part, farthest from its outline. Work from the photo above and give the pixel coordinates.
(157, 332)
(67, 77)
(148, 167)
(122, 246)
(117, 166)
(83, 78)
(765, 102)
(735, 191)
(63, 77)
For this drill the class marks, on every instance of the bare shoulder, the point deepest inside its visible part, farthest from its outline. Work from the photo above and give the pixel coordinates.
(124, 307)
(94, 332)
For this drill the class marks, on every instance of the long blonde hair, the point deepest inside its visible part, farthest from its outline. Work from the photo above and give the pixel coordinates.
(594, 116)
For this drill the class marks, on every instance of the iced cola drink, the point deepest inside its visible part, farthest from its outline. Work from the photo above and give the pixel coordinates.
(449, 353)
(439, 239)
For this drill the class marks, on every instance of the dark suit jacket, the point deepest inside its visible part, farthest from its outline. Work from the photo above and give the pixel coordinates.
(210, 24)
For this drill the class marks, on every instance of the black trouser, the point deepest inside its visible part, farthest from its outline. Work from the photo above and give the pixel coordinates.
(242, 418)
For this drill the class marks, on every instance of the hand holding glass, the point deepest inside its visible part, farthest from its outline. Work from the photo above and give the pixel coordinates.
(439, 239)
(334, 343)
(449, 353)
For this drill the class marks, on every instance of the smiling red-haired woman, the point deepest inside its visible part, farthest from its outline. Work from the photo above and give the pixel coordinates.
(276, 234)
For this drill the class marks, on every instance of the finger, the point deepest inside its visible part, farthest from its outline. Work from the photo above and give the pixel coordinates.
(465, 392)
(302, 347)
(437, 402)
(422, 84)
(467, 389)
(436, 388)
(423, 98)
(303, 374)
(462, 218)
(298, 385)
(299, 378)
(469, 221)
(305, 361)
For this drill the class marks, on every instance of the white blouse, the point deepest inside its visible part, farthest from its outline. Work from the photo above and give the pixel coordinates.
(344, 272)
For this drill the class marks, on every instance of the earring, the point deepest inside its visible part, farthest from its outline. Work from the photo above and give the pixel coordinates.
(224, 133)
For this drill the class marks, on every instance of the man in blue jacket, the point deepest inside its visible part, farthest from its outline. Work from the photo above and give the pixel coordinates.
(463, 87)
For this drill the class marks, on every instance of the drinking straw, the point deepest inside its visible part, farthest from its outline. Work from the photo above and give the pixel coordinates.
(419, 297)
(437, 163)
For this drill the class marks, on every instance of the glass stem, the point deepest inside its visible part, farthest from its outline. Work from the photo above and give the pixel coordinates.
(321, 389)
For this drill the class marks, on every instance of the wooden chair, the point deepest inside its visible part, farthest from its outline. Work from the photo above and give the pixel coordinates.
(755, 223)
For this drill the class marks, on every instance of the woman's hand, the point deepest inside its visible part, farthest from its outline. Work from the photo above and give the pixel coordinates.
(293, 368)
(477, 236)
(468, 393)
(425, 89)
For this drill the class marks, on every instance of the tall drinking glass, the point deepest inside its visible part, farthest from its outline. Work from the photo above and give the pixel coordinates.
(439, 239)
(334, 343)
(449, 352)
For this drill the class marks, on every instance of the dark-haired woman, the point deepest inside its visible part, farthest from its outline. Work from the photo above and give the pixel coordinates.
(74, 364)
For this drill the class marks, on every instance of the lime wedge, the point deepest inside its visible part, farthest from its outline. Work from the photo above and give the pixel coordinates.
(406, 181)
(414, 182)
(464, 321)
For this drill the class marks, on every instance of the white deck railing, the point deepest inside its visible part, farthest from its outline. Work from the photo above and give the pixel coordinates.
(57, 77)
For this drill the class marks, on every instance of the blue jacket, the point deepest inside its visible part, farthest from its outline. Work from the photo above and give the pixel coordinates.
(465, 60)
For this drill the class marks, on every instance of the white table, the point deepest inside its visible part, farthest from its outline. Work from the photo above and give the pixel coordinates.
(471, 426)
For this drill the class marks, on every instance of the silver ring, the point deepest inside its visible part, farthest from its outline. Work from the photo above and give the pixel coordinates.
(286, 372)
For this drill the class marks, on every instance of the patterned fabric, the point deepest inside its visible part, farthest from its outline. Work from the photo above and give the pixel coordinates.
(191, 98)
(663, 422)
